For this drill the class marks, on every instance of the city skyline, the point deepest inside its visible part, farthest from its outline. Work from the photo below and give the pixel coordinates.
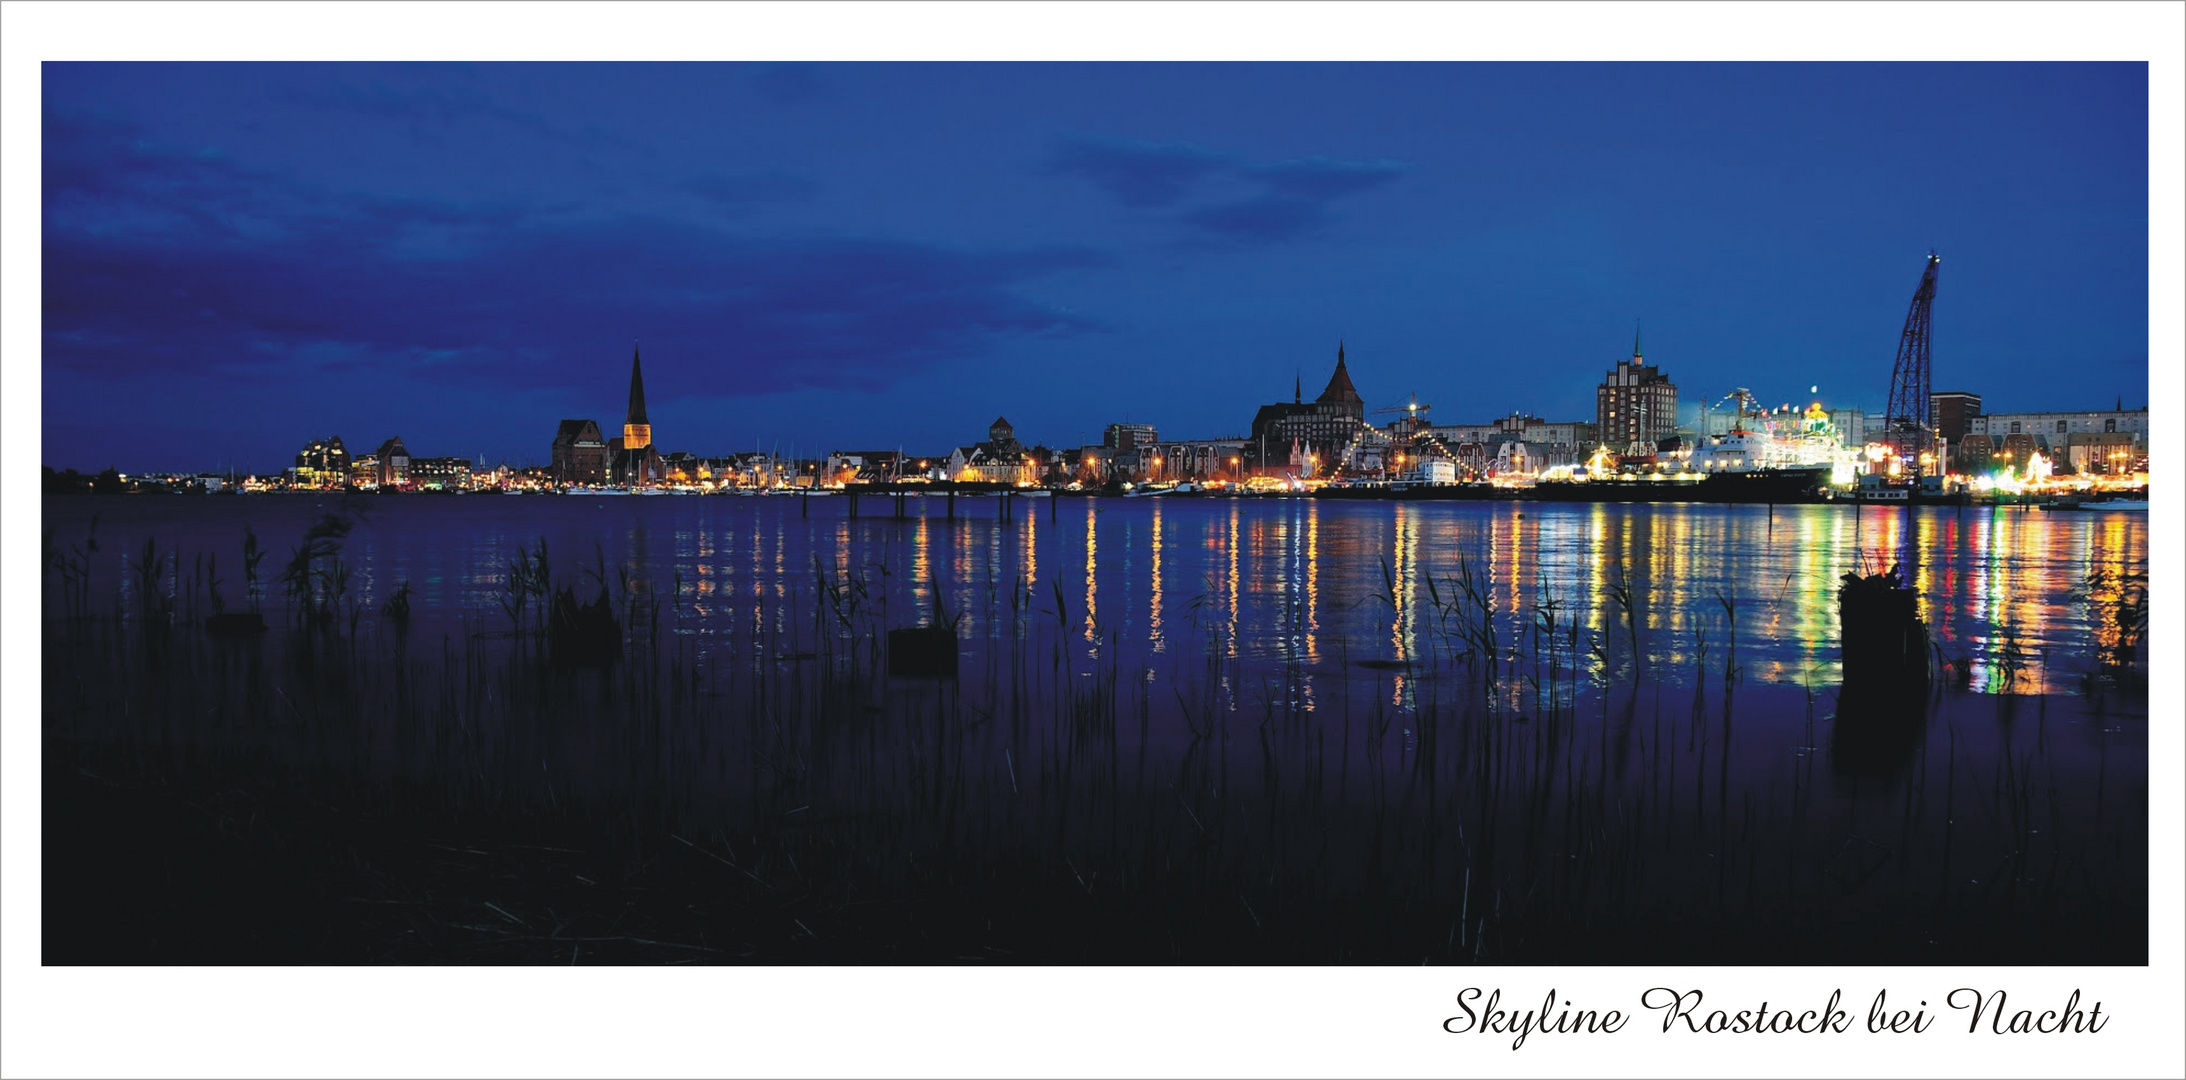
(1118, 494)
(461, 255)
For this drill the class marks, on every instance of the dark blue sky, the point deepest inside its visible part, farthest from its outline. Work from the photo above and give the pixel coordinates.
(238, 258)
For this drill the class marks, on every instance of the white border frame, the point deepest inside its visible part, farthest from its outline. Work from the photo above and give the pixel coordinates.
(1064, 1022)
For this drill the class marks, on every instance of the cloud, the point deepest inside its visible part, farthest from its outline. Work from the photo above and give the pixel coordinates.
(1138, 174)
(442, 101)
(158, 260)
(1283, 199)
(744, 188)
(790, 83)
(1265, 219)
(1324, 179)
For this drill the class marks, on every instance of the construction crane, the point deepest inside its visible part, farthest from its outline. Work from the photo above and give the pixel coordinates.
(1905, 424)
(1411, 408)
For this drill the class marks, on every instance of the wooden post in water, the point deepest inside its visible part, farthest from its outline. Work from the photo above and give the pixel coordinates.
(1910, 552)
(952, 502)
(1885, 642)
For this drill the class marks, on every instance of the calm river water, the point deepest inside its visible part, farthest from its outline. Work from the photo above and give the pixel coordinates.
(1265, 701)
(1268, 580)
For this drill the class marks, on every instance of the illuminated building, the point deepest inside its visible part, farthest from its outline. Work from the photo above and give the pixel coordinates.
(440, 473)
(579, 454)
(1635, 406)
(1129, 436)
(1952, 413)
(1001, 459)
(2104, 453)
(2053, 429)
(1184, 459)
(1305, 436)
(392, 464)
(321, 463)
(631, 459)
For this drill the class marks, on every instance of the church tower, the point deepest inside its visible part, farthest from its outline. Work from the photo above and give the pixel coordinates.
(637, 432)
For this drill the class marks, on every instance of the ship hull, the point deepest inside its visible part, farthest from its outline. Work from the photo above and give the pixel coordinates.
(1757, 486)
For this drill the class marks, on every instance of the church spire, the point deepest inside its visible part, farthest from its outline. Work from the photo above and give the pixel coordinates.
(637, 431)
(1298, 388)
(637, 390)
(1635, 341)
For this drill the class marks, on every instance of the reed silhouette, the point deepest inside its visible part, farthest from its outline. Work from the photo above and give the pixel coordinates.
(595, 781)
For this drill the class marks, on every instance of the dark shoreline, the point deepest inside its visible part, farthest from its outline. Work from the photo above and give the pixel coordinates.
(353, 786)
(221, 863)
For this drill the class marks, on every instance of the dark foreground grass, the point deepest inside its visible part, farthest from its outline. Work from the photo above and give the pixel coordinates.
(343, 791)
(219, 863)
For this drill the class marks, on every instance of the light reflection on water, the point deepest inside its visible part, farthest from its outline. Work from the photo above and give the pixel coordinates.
(1280, 581)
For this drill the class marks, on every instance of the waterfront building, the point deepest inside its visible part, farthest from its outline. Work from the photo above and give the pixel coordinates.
(440, 473)
(1635, 406)
(579, 454)
(1001, 459)
(2103, 453)
(321, 463)
(1976, 453)
(1851, 425)
(1092, 465)
(1129, 436)
(2017, 452)
(1951, 413)
(1476, 447)
(1517, 457)
(1220, 458)
(1182, 459)
(756, 469)
(365, 471)
(1520, 427)
(1306, 438)
(393, 464)
(2052, 429)
(867, 466)
(683, 467)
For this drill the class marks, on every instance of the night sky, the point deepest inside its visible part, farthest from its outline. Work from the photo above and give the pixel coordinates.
(239, 258)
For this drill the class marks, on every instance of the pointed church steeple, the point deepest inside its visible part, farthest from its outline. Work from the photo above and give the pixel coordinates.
(1340, 391)
(1298, 388)
(1635, 341)
(637, 431)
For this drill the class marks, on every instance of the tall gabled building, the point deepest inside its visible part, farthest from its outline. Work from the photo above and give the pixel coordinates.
(1313, 435)
(393, 470)
(1635, 406)
(579, 454)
